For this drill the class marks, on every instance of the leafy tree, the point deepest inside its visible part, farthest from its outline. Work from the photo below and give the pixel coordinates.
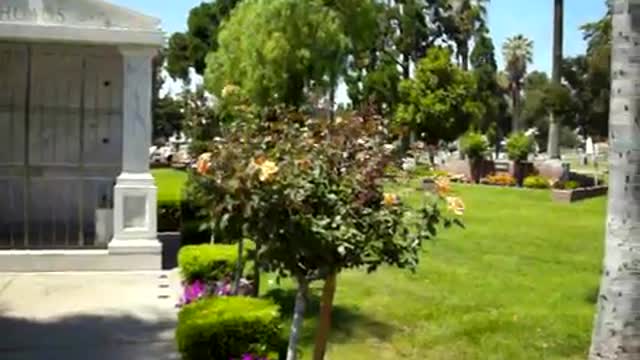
(439, 103)
(278, 51)
(167, 111)
(466, 21)
(533, 112)
(309, 193)
(189, 50)
(201, 120)
(404, 32)
(589, 77)
(543, 99)
(168, 117)
(485, 71)
(518, 54)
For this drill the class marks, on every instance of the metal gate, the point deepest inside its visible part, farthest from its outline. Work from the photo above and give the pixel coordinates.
(60, 143)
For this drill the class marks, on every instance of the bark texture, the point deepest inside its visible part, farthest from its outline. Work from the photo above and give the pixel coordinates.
(298, 317)
(616, 332)
(324, 328)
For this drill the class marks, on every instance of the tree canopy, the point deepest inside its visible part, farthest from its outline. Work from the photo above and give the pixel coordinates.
(189, 49)
(439, 103)
(278, 51)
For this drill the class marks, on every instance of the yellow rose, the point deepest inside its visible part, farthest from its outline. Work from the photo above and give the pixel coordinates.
(455, 205)
(203, 164)
(390, 199)
(267, 170)
(229, 90)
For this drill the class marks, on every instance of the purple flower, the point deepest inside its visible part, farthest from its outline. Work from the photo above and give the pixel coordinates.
(193, 292)
(223, 288)
(251, 357)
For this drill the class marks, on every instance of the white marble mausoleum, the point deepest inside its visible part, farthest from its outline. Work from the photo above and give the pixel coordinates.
(76, 192)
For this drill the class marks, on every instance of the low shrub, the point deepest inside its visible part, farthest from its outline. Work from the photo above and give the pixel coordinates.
(566, 185)
(536, 182)
(519, 146)
(474, 145)
(207, 262)
(213, 261)
(222, 328)
(499, 180)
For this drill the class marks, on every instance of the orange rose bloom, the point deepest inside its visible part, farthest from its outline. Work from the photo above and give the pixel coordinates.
(303, 164)
(443, 186)
(203, 164)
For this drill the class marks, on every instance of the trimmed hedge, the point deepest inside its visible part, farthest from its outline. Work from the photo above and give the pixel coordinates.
(207, 262)
(223, 328)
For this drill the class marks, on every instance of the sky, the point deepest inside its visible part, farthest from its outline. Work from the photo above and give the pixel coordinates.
(532, 18)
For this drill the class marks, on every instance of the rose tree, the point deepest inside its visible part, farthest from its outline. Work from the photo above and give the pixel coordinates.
(310, 193)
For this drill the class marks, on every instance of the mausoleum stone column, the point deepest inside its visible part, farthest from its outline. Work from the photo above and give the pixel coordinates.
(135, 191)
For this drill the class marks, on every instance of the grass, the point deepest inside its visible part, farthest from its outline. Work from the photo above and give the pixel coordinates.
(519, 283)
(170, 183)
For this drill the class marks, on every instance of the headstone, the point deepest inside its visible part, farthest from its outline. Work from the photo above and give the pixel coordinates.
(589, 148)
(503, 166)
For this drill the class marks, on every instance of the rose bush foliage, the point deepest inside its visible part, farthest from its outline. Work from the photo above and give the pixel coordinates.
(310, 193)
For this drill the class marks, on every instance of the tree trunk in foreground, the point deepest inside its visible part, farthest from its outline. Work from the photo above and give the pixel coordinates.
(616, 333)
(553, 148)
(322, 336)
(298, 317)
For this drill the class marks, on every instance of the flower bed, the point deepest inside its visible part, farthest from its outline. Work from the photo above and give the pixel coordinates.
(569, 196)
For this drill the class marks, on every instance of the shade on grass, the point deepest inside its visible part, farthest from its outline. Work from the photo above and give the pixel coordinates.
(519, 283)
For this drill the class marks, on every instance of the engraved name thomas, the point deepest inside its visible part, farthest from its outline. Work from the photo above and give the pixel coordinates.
(9, 13)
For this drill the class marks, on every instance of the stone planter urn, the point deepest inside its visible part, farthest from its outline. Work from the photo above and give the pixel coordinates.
(476, 169)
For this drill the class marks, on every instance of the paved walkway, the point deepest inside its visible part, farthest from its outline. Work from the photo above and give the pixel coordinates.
(81, 316)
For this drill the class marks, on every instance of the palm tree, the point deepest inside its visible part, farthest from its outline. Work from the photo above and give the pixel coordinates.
(468, 20)
(617, 325)
(518, 54)
(553, 148)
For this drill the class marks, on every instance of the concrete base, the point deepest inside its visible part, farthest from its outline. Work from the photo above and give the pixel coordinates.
(135, 247)
(77, 260)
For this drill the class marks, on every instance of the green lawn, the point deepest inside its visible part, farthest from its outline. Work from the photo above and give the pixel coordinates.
(518, 283)
(170, 183)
